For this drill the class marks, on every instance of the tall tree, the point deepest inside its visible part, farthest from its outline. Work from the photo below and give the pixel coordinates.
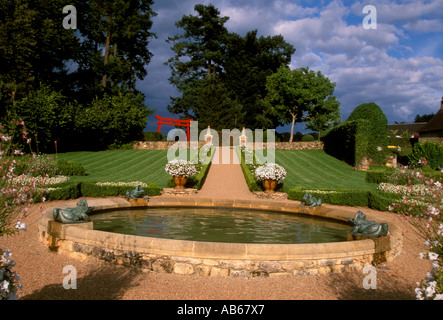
(206, 49)
(250, 60)
(291, 93)
(114, 48)
(199, 53)
(34, 47)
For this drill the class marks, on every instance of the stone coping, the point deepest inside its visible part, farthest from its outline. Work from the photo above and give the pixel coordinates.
(82, 241)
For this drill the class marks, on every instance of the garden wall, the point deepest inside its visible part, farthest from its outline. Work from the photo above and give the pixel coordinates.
(165, 145)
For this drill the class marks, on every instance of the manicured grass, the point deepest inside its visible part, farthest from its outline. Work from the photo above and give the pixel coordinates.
(122, 166)
(305, 168)
(316, 169)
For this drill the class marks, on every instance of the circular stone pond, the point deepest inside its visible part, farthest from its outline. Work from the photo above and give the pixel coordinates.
(213, 237)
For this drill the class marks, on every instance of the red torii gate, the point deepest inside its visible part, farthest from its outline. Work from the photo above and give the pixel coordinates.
(174, 122)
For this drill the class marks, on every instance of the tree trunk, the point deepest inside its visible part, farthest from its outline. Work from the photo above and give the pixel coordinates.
(107, 49)
(292, 128)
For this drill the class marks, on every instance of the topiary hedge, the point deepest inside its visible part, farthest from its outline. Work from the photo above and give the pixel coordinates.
(378, 130)
(364, 134)
(348, 141)
(374, 199)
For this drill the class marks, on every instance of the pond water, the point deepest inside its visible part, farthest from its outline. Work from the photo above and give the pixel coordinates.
(231, 225)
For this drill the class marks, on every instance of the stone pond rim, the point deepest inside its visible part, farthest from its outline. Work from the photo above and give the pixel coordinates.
(221, 259)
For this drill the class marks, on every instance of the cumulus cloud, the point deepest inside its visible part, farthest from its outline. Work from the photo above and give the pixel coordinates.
(391, 65)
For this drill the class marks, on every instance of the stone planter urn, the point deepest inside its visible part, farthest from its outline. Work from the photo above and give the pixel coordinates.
(180, 182)
(269, 185)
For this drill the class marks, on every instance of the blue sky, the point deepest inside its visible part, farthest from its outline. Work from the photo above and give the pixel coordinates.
(399, 65)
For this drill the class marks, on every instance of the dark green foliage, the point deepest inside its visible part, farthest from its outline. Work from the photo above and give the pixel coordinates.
(153, 136)
(48, 117)
(378, 130)
(356, 198)
(432, 152)
(240, 65)
(348, 141)
(307, 137)
(70, 168)
(113, 120)
(77, 189)
(248, 172)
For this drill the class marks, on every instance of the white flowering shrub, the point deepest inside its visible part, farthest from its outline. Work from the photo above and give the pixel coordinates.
(270, 171)
(422, 206)
(181, 168)
(16, 196)
(9, 280)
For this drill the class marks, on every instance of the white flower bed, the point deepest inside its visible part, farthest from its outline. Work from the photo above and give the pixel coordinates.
(40, 180)
(181, 168)
(418, 189)
(270, 171)
(123, 184)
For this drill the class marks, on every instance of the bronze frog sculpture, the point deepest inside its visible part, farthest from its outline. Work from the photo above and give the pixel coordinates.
(138, 192)
(363, 227)
(79, 214)
(310, 201)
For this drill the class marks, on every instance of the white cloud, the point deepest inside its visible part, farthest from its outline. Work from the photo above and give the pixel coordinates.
(425, 25)
(384, 65)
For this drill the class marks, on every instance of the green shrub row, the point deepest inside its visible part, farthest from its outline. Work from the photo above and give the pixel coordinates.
(396, 176)
(77, 189)
(374, 199)
(251, 181)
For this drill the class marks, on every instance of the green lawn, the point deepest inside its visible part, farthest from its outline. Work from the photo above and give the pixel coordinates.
(122, 165)
(316, 169)
(305, 168)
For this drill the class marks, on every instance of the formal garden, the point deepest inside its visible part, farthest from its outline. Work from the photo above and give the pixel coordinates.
(70, 135)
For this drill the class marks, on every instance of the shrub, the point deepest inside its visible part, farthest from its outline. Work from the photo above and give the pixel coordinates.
(112, 120)
(307, 138)
(48, 117)
(76, 189)
(153, 136)
(378, 129)
(70, 168)
(427, 153)
(348, 141)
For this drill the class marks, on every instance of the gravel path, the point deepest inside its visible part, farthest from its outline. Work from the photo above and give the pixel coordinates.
(41, 271)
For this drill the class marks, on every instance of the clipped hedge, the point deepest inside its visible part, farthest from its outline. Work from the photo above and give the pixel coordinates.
(348, 141)
(251, 181)
(377, 130)
(374, 199)
(77, 189)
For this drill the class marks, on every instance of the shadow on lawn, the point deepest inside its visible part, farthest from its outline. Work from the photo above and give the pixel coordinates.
(388, 287)
(105, 283)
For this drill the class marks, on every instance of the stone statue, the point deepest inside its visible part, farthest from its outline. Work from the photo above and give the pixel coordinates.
(138, 192)
(363, 227)
(310, 201)
(78, 214)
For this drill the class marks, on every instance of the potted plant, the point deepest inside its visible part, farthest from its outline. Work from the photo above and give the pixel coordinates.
(271, 174)
(180, 170)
